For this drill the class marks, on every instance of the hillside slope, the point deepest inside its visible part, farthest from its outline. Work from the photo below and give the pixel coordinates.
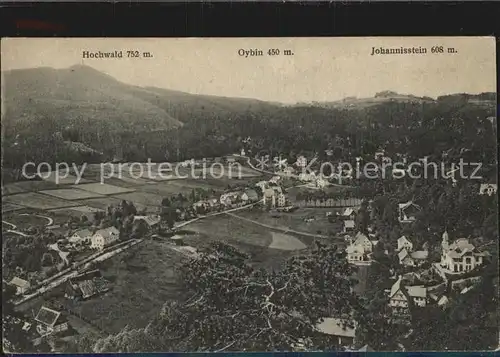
(78, 97)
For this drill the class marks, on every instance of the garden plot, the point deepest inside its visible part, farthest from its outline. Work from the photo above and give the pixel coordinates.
(71, 194)
(77, 211)
(126, 181)
(103, 188)
(142, 198)
(233, 171)
(27, 186)
(165, 189)
(60, 179)
(100, 203)
(37, 201)
(10, 207)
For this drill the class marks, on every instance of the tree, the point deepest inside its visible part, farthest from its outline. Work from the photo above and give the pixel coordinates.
(234, 306)
(47, 260)
(165, 202)
(140, 229)
(14, 338)
(168, 216)
(376, 327)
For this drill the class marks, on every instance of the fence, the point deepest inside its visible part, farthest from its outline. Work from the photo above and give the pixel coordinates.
(330, 203)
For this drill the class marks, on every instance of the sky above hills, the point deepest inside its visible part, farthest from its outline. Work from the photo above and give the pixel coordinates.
(321, 69)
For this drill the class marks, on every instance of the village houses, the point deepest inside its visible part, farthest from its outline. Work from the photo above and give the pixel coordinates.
(403, 242)
(275, 179)
(349, 226)
(489, 189)
(269, 198)
(349, 213)
(86, 285)
(274, 198)
(307, 177)
(400, 297)
(229, 198)
(460, 256)
(21, 285)
(150, 220)
(408, 212)
(81, 236)
(104, 238)
(321, 182)
(301, 161)
(288, 171)
(249, 196)
(262, 185)
(360, 248)
(344, 333)
(412, 259)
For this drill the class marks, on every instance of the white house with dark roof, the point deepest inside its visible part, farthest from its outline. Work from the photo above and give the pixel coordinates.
(349, 226)
(489, 189)
(21, 285)
(362, 240)
(460, 256)
(359, 249)
(104, 238)
(349, 212)
(405, 243)
(355, 253)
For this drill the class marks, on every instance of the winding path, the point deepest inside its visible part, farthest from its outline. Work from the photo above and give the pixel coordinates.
(10, 224)
(51, 221)
(17, 232)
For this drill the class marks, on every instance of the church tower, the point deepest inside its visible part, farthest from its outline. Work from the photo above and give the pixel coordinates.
(445, 242)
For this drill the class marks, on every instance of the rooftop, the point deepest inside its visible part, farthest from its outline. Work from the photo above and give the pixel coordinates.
(108, 232)
(19, 282)
(349, 223)
(416, 291)
(336, 327)
(47, 316)
(420, 254)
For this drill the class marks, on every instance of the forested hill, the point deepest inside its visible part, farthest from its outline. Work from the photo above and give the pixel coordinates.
(44, 109)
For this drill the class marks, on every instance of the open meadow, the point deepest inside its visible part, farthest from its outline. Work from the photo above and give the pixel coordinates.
(309, 220)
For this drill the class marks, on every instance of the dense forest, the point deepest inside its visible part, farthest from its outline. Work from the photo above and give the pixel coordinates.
(75, 124)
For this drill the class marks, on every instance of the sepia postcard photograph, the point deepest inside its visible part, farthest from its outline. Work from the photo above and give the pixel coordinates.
(249, 194)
